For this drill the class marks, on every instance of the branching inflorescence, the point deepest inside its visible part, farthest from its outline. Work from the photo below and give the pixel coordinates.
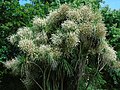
(57, 47)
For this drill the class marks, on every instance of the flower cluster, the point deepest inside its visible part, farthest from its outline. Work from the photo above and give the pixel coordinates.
(69, 25)
(83, 14)
(44, 50)
(27, 46)
(109, 54)
(98, 17)
(24, 33)
(53, 17)
(72, 39)
(73, 15)
(86, 29)
(100, 30)
(11, 63)
(39, 22)
(56, 16)
(47, 54)
(56, 39)
(40, 38)
(13, 38)
(63, 9)
(86, 14)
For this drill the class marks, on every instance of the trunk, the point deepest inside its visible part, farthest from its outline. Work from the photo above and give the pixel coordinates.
(78, 74)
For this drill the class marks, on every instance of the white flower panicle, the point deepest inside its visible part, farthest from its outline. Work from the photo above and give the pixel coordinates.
(73, 15)
(63, 9)
(72, 39)
(57, 15)
(102, 46)
(53, 17)
(98, 17)
(13, 38)
(109, 54)
(56, 39)
(83, 14)
(41, 38)
(86, 29)
(69, 25)
(39, 21)
(86, 14)
(116, 64)
(44, 49)
(56, 53)
(100, 30)
(12, 63)
(27, 46)
(24, 33)
(46, 52)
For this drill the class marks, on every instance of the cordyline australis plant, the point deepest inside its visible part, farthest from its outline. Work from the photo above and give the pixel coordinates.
(56, 49)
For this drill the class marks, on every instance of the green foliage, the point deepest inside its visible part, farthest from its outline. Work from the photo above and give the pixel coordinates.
(114, 39)
(3, 52)
(94, 3)
(92, 80)
(112, 22)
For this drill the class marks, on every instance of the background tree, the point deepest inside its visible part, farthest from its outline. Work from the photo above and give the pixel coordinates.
(112, 22)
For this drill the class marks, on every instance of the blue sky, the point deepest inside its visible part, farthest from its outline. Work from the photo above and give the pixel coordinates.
(22, 2)
(113, 4)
